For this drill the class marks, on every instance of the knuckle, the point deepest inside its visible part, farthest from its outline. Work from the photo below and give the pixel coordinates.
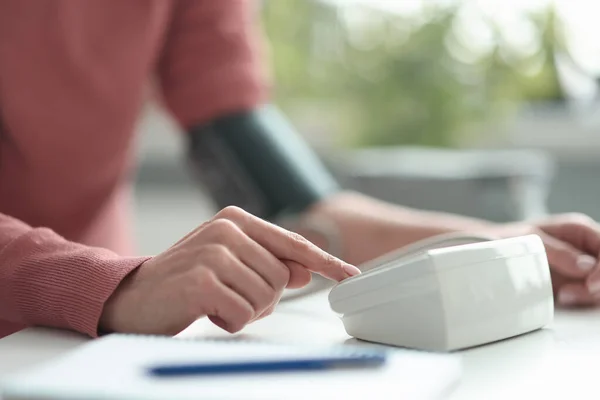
(298, 242)
(205, 281)
(579, 218)
(223, 229)
(330, 262)
(233, 213)
(525, 229)
(216, 254)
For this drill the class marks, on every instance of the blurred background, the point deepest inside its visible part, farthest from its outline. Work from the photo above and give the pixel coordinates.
(486, 108)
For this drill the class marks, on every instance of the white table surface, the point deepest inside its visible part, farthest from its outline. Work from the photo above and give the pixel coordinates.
(559, 361)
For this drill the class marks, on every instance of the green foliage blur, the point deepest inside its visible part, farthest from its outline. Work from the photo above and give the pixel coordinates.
(392, 79)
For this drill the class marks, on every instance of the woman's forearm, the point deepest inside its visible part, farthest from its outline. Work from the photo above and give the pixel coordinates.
(369, 228)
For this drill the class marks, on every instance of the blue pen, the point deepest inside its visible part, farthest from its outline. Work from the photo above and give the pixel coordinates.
(361, 360)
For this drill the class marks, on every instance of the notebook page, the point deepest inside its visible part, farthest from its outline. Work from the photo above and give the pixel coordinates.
(114, 368)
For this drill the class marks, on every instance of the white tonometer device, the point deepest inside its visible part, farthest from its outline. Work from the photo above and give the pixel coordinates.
(449, 293)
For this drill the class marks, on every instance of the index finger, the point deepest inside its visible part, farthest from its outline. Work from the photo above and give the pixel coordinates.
(287, 245)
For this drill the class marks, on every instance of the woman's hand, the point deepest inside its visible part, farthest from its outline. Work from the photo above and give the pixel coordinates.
(232, 269)
(572, 244)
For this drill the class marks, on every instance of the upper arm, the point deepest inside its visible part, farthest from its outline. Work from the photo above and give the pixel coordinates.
(212, 61)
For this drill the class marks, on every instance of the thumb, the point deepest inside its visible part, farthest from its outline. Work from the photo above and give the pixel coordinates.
(567, 260)
(300, 276)
(575, 295)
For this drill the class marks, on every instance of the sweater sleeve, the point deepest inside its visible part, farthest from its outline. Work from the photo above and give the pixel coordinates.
(212, 60)
(46, 280)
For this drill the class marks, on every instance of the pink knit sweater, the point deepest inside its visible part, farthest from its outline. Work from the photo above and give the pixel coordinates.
(73, 77)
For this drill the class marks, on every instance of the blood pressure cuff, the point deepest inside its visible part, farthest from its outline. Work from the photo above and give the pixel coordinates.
(255, 160)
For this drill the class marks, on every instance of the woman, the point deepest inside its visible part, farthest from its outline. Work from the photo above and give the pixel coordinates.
(72, 78)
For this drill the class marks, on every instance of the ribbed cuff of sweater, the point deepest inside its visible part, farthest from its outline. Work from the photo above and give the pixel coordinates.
(48, 281)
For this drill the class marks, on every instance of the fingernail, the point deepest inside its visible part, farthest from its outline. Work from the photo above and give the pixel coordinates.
(566, 298)
(351, 270)
(586, 262)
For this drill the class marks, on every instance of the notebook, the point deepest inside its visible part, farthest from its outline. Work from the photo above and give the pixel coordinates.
(115, 367)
